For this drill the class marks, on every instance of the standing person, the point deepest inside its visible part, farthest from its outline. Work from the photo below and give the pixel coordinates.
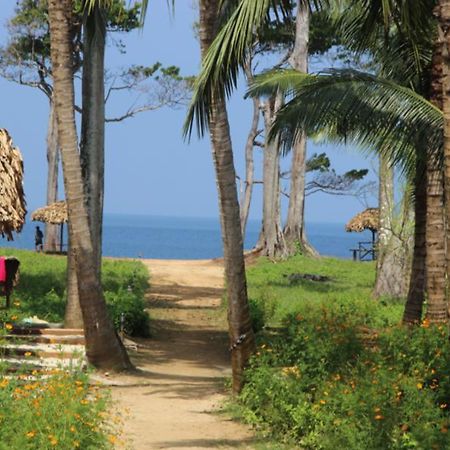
(38, 240)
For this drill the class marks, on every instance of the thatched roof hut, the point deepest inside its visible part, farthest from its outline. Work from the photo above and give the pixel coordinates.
(12, 197)
(55, 213)
(369, 219)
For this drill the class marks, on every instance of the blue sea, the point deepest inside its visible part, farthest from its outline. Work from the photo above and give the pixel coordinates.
(191, 238)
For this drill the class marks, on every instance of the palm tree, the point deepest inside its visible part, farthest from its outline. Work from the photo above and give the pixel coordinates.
(242, 341)
(346, 104)
(103, 347)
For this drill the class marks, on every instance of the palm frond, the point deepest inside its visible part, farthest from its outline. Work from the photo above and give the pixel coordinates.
(347, 105)
(227, 54)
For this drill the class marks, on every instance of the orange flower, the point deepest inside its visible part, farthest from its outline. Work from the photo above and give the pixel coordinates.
(444, 430)
(379, 417)
(8, 326)
(27, 353)
(31, 434)
(425, 323)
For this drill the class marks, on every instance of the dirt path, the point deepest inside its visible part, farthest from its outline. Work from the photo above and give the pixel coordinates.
(173, 401)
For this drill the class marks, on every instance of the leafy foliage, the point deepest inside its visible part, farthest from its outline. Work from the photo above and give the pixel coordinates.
(337, 372)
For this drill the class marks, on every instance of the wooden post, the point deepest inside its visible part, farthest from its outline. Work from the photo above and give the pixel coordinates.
(61, 238)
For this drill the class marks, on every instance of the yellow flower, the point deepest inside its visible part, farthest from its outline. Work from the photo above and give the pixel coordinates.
(8, 326)
(16, 303)
(73, 429)
(443, 405)
(84, 402)
(419, 386)
(13, 317)
(76, 444)
(112, 438)
(322, 402)
(379, 417)
(31, 434)
(4, 383)
(27, 353)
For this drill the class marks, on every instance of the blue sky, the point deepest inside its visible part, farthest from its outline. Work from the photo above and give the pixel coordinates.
(150, 170)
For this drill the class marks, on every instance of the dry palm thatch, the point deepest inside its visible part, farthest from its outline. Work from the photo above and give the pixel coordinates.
(55, 213)
(369, 219)
(12, 197)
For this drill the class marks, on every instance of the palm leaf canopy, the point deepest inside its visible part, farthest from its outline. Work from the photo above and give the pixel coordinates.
(347, 105)
(227, 55)
(12, 198)
(55, 213)
(369, 219)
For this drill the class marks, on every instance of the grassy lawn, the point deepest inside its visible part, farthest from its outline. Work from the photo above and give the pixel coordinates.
(41, 289)
(335, 370)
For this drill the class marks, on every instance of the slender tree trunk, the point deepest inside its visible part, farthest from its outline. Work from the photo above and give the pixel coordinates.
(242, 340)
(294, 231)
(435, 237)
(91, 150)
(73, 317)
(444, 31)
(271, 240)
(389, 280)
(249, 160)
(92, 145)
(103, 346)
(51, 240)
(415, 298)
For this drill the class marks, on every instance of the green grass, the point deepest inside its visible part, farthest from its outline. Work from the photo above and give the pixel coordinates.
(42, 289)
(317, 382)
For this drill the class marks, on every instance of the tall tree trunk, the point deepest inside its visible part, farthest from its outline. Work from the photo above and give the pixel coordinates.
(92, 145)
(103, 346)
(242, 340)
(73, 317)
(389, 280)
(271, 241)
(51, 240)
(249, 160)
(91, 149)
(435, 237)
(294, 231)
(415, 298)
(444, 31)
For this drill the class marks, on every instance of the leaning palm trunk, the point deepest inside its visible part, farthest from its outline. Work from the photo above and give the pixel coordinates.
(103, 347)
(51, 241)
(294, 231)
(414, 301)
(91, 149)
(242, 340)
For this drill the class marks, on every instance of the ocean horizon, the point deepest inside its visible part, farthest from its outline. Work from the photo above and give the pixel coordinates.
(161, 237)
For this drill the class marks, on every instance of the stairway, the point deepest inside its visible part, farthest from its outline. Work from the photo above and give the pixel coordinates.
(28, 349)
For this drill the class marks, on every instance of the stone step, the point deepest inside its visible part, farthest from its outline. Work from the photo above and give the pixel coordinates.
(46, 339)
(24, 331)
(40, 350)
(41, 365)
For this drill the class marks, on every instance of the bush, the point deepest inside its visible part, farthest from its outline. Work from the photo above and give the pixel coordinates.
(58, 411)
(126, 305)
(340, 374)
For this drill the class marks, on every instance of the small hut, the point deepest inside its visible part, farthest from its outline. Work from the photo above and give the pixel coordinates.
(12, 197)
(56, 214)
(369, 219)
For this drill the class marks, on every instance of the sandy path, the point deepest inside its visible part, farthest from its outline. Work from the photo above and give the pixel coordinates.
(173, 402)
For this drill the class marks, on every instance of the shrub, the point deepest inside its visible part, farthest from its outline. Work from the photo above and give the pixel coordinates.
(340, 373)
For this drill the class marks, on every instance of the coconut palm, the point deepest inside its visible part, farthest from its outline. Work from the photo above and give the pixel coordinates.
(242, 342)
(402, 125)
(103, 347)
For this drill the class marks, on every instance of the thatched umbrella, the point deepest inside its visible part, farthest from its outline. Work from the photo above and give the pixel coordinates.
(369, 219)
(55, 213)
(12, 198)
